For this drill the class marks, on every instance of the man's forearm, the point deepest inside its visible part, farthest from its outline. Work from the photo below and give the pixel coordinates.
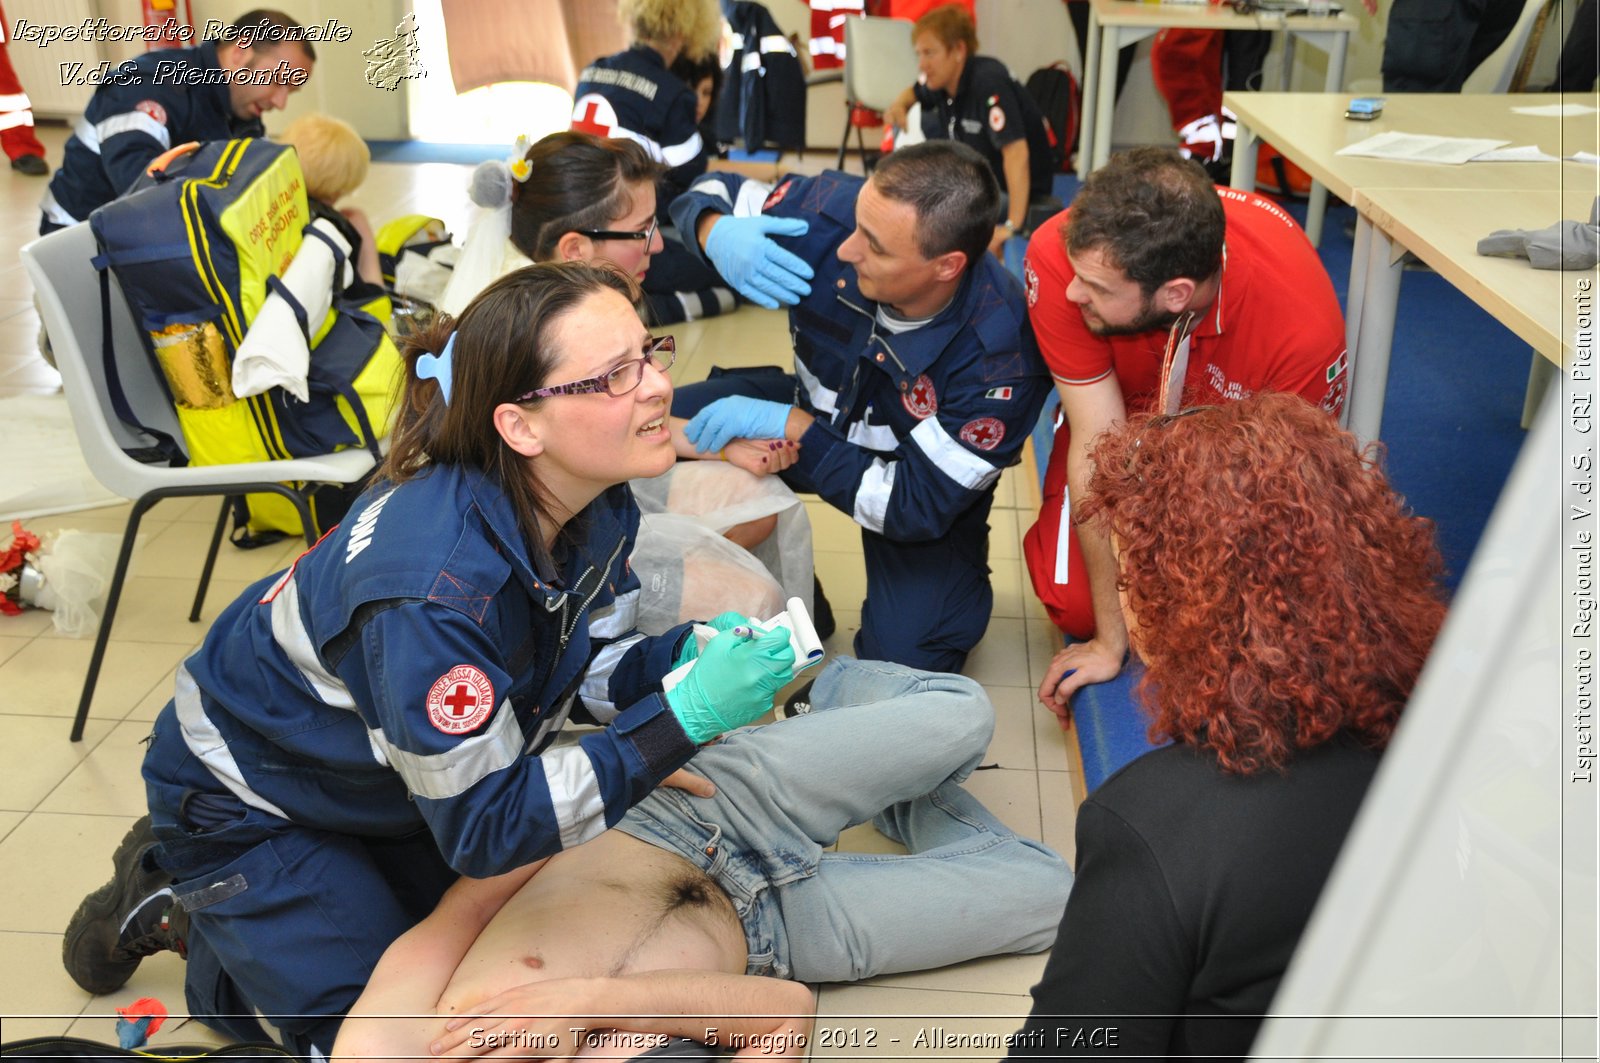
(1109, 627)
(729, 1010)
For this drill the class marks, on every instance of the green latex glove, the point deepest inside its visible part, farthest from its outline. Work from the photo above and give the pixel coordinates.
(732, 682)
(722, 622)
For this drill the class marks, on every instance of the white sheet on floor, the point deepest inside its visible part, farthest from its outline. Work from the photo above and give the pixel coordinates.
(43, 471)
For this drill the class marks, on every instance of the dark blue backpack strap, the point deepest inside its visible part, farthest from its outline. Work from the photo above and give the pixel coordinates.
(275, 284)
(166, 447)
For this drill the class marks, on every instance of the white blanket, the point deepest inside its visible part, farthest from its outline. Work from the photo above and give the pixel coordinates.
(275, 352)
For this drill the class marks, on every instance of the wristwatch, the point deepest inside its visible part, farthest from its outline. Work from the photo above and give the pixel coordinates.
(1009, 226)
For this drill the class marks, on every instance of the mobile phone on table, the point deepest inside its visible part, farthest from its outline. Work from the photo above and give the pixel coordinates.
(1364, 108)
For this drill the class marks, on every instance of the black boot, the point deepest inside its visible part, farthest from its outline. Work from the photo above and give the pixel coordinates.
(821, 611)
(130, 917)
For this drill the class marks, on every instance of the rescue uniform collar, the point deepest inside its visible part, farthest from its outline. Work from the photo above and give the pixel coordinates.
(600, 527)
(918, 348)
(1212, 322)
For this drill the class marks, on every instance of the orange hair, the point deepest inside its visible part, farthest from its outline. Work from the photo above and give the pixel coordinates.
(1279, 590)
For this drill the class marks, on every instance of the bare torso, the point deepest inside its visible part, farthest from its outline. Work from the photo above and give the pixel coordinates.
(615, 905)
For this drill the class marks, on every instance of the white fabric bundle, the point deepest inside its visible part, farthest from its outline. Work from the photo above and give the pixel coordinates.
(275, 353)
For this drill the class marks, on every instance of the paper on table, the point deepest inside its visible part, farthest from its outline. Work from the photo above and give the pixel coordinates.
(1555, 110)
(1526, 153)
(1415, 147)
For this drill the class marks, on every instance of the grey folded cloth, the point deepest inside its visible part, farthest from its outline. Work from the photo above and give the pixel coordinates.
(1565, 245)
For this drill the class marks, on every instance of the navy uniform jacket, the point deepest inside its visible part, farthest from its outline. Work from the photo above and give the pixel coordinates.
(130, 120)
(988, 111)
(911, 429)
(413, 668)
(633, 95)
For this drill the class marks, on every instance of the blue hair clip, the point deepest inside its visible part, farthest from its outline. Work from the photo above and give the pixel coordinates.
(439, 368)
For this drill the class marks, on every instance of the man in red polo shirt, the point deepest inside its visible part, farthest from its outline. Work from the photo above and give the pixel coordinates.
(1157, 290)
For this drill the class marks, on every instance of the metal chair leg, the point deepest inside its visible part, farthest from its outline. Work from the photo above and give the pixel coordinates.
(129, 534)
(211, 561)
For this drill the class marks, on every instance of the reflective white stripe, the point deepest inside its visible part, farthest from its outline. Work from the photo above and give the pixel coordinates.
(822, 398)
(873, 436)
(712, 186)
(751, 61)
(951, 458)
(678, 154)
(574, 794)
(596, 688)
(872, 496)
(15, 119)
(618, 618)
(839, 5)
(751, 198)
(777, 43)
(132, 122)
(52, 210)
(1064, 536)
(825, 46)
(289, 632)
(14, 101)
(441, 776)
(85, 133)
(207, 744)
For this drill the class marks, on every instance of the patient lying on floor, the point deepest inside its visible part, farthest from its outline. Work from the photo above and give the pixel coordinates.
(658, 928)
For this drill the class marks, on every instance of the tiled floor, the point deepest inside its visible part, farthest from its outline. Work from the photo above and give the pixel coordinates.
(64, 806)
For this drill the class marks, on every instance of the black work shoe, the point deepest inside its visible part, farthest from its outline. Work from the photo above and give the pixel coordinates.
(125, 920)
(32, 165)
(821, 611)
(799, 702)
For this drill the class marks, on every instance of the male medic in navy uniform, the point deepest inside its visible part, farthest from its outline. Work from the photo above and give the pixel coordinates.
(916, 378)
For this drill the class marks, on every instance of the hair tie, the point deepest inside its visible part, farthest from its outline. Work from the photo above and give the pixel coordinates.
(439, 368)
(518, 162)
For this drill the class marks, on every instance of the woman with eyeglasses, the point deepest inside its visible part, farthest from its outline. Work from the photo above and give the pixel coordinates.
(575, 197)
(1283, 600)
(360, 729)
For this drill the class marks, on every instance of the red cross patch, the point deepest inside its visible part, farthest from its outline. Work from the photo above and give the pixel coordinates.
(460, 700)
(921, 401)
(776, 196)
(985, 433)
(593, 113)
(997, 119)
(1030, 279)
(153, 109)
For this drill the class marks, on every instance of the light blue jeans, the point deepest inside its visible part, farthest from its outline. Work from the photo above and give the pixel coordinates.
(885, 743)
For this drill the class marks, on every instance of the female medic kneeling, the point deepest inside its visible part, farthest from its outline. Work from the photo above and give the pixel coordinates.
(360, 729)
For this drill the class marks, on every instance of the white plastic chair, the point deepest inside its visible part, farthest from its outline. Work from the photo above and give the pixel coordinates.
(1514, 56)
(879, 64)
(68, 289)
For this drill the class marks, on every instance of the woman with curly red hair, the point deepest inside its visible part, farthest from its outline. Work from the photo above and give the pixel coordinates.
(1283, 601)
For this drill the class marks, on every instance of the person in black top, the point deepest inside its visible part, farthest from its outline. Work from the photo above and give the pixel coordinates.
(1283, 600)
(974, 99)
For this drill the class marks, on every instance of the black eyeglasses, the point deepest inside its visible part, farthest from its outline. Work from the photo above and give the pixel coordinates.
(622, 234)
(618, 380)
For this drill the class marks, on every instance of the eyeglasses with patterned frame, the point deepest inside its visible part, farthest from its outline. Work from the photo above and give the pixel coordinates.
(620, 379)
(647, 235)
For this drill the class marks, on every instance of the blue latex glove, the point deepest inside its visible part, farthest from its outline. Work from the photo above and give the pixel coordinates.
(759, 269)
(736, 417)
(731, 683)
